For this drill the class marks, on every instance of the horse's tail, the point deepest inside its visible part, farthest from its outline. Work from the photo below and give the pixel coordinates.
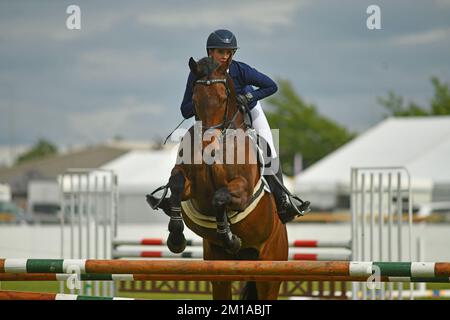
(249, 291)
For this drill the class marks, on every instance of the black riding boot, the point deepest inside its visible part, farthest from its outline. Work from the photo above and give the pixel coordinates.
(286, 211)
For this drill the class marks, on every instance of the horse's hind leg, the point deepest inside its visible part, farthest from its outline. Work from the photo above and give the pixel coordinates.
(222, 290)
(276, 248)
(268, 290)
(176, 241)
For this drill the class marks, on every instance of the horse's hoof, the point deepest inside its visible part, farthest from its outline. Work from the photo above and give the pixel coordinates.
(176, 242)
(176, 225)
(234, 245)
(221, 197)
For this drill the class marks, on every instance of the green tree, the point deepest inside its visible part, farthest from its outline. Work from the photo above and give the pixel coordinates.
(439, 104)
(41, 149)
(302, 128)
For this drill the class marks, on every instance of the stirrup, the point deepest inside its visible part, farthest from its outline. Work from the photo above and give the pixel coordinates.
(301, 210)
(154, 201)
(304, 204)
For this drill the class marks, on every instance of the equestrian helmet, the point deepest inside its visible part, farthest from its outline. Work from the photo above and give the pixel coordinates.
(221, 39)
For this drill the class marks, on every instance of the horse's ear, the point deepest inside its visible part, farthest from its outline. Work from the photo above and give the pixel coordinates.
(193, 66)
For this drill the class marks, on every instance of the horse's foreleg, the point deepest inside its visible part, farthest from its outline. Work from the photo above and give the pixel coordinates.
(229, 196)
(231, 242)
(176, 241)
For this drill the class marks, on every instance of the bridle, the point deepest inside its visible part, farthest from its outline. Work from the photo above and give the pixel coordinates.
(225, 124)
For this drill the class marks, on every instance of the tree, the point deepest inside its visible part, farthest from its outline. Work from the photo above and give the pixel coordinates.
(302, 128)
(41, 149)
(439, 104)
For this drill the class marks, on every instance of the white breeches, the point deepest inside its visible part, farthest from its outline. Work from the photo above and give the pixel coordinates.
(262, 127)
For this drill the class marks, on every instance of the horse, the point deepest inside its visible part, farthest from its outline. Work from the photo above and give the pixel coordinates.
(226, 204)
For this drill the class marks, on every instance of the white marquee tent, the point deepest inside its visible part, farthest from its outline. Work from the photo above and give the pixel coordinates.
(421, 144)
(139, 173)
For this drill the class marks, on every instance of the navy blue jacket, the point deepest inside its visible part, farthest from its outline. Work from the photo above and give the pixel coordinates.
(244, 77)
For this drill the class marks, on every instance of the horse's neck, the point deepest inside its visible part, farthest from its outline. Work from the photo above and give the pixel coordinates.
(207, 179)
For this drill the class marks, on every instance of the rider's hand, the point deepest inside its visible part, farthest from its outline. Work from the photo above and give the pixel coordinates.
(242, 100)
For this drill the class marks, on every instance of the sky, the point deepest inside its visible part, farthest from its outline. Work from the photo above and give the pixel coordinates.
(124, 72)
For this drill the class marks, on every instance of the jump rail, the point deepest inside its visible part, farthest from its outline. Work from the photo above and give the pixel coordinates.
(22, 295)
(425, 270)
(201, 277)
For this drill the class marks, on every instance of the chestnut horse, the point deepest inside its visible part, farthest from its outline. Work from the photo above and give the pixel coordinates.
(218, 192)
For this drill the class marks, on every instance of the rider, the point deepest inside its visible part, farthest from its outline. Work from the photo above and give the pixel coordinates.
(222, 44)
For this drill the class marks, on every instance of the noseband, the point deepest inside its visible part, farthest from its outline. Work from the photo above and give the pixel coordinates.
(225, 124)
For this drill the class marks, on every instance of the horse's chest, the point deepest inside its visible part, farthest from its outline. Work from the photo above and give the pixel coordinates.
(212, 177)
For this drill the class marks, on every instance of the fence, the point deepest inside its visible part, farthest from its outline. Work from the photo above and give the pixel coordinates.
(378, 197)
(89, 207)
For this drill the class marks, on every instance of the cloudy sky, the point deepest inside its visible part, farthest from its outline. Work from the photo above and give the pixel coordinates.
(125, 71)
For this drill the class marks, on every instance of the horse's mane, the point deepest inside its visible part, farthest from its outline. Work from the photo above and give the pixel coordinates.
(206, 66)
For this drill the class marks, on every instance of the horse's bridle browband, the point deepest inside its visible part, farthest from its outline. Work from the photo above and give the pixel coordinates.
(223, 125)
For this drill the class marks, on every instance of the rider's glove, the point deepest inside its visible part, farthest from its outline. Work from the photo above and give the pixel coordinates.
(244, 100)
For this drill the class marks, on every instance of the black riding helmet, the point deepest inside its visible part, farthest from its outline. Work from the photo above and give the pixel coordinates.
(221, 39)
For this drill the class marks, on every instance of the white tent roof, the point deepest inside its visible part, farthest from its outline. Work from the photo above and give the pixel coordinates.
(421, 144)
(143, 169)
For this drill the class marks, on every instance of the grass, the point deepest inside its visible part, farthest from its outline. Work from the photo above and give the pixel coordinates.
(32, 286)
